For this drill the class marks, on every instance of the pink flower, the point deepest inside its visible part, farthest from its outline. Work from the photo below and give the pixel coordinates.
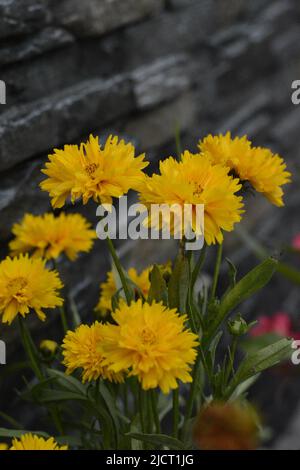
(280, 323)
(296, 242)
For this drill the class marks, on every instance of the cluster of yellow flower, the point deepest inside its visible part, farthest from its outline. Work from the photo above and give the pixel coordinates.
(144, 339)
(147, 341)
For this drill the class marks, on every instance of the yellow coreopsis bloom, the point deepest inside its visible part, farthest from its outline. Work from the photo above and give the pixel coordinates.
(90, 171)
(265, 171)
(109, 288)
(26, 284)
(33, 442)
(82, 349)
(151, 341)
(48, 237)
(3, 446)
(195, 181)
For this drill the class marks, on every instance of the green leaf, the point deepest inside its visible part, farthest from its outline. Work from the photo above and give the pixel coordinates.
(134, 429)
(255, 280)
(10, 420)
(232, 273)
(158, 440)
(53, 396)
(111, 407)
(211, 353)
(67, 381)
(179, 284)
(242, 388)
(251, 345)
(158, 288)
(18, 433)
(261, 360)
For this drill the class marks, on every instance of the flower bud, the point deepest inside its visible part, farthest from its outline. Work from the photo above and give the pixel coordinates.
(238, 326)
(48, 347)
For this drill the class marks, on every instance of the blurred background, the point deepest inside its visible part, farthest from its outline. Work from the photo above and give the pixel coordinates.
(146, 69)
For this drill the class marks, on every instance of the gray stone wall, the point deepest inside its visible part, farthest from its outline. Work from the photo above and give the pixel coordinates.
(141, 68)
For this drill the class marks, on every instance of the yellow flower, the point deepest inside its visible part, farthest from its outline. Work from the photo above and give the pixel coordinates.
(33, 442)
(152, 342)
(26, 284)
(82, 349)
(195, 180)
(90, 171)
(227, 426)
(48, 237)
(265, 171)
(48, 346)
(3, 446)
(109, 288)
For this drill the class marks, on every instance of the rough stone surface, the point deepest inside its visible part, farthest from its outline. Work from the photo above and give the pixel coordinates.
(22, 17)
(94, 17)
(40, 43)
(162, 81)
(33, 129)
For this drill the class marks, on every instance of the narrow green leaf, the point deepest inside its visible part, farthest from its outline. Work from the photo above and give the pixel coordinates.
(211, 353)
(261, 360)
(158, 288)
(179, 284)
(232, 273)
(255, 280)
(67, 381)
(18, 433)
(52, 396)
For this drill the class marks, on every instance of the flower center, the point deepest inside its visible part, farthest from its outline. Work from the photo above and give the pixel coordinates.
(197, 188)
(148, 337)
(90, 169)
(17, 286)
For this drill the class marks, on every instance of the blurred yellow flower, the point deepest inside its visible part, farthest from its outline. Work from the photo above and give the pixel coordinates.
(46, 236)
(195, 180)
(109, 288)
(3, 446)
(26, 284)
(33, 442)
(152, 342)
(48, 346)
(90, 171)
(265, 171)
(227, 426)
(82, 349)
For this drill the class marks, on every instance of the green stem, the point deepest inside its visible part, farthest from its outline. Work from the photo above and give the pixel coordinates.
(32, 355)
(216, 272)
(63, 319)
(155, 411)
(193, 391)
(198, 267)
(230, 365)
(30, 349)
(175, 412)
(119, 269)
(62, 311)
(142, 410)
